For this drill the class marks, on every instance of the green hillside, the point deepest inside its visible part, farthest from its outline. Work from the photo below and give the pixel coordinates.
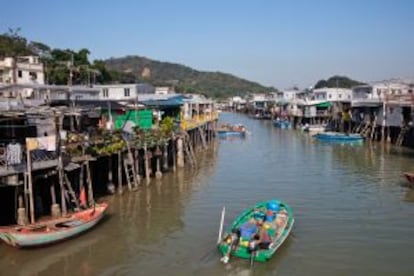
(183, 78)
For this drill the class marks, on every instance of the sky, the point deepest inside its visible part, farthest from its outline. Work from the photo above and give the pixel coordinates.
(273, 42)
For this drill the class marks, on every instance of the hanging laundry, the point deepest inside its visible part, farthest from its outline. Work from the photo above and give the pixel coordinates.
(14, 153)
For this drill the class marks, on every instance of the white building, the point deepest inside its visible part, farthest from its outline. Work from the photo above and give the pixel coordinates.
(389, 97)
(28, 70)
(333, 94)
(163, 90)
(375, 92)
(118, 91)
(287, 95)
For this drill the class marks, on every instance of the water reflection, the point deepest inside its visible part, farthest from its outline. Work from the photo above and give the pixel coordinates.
(350, 205)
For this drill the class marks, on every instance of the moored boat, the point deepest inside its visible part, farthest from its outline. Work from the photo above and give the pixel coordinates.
(272, 218)
(231, 130)
(313, 129)
(53, 230)
(339, 137)
(283, 124)
(410, 177)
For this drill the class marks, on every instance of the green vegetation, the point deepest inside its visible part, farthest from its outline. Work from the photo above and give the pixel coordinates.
(60, 62)
(185, 79)
(131, 69)
(337, 81)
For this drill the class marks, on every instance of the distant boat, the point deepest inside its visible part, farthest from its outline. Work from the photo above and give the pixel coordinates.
(339, 137)
(277, 219)
(231, 130)
(53, 230)
(282, 123)
(410, 177)
(313, 129)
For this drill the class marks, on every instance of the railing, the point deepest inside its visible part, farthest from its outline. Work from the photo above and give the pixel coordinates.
(198, 120)
(13, 159)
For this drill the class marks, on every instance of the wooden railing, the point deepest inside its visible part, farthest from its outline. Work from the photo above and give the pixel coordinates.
(198, 120)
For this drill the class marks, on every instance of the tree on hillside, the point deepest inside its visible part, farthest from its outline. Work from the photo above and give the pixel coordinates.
(337, 81)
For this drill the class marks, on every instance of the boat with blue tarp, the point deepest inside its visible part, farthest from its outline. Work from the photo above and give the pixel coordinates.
(258, 232)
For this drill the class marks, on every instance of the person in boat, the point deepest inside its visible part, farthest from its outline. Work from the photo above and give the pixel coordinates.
(246, 232)
(262, 239)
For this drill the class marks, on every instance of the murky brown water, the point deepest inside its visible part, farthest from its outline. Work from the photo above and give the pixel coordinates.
(354, 216)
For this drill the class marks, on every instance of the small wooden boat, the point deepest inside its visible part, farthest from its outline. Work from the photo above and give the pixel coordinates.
(53, 230)
(410, 177)
(231, 130)
(339, 137)
(274, 217)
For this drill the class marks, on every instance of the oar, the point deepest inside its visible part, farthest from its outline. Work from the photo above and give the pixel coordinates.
(223, 212)
(252, 255)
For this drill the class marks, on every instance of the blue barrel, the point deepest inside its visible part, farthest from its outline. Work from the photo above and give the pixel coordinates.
(273, 206)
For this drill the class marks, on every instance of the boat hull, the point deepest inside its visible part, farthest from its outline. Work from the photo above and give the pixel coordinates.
(410, 178)
(53, 231)
(339, 137)
(278, 238)
(226, 133)
(282, 124)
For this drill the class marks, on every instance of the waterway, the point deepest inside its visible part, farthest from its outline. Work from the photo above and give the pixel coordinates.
(354, 214)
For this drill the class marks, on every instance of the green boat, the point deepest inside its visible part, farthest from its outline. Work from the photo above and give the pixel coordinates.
(273, 216)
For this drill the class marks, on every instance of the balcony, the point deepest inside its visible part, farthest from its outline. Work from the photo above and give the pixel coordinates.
(198, 120)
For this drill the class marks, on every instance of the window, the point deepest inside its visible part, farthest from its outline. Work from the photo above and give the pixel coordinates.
(340, 96)
(19, 73)
(126, 92)
(33, 75)
(105, 92)
(330, 96)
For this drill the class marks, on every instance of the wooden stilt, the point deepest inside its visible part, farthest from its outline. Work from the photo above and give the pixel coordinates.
(173, 152)
(111, 185)
(137, 167)
(158, 153)
(81, 184)
(55, 208)
(165, 157)
(180, 152)
(147, 168)
(30, 186)
(119, 163)
(89, 181)
(53, 193)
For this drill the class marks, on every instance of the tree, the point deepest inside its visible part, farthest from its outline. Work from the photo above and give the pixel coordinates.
(337, 81)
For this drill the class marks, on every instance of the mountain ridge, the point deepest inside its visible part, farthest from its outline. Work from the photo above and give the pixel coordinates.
(184, 78)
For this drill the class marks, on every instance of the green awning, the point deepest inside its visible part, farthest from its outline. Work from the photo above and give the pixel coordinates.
(325, 104)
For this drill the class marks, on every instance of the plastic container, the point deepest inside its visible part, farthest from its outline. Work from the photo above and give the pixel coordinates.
(273, 206)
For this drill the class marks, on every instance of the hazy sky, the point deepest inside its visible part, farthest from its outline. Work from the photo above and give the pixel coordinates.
(275, 42)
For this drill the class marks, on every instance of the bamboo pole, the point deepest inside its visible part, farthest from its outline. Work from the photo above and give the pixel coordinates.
(30, 182)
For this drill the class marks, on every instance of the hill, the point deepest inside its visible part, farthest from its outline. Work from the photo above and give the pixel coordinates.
(337, 81)
(183, 78)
